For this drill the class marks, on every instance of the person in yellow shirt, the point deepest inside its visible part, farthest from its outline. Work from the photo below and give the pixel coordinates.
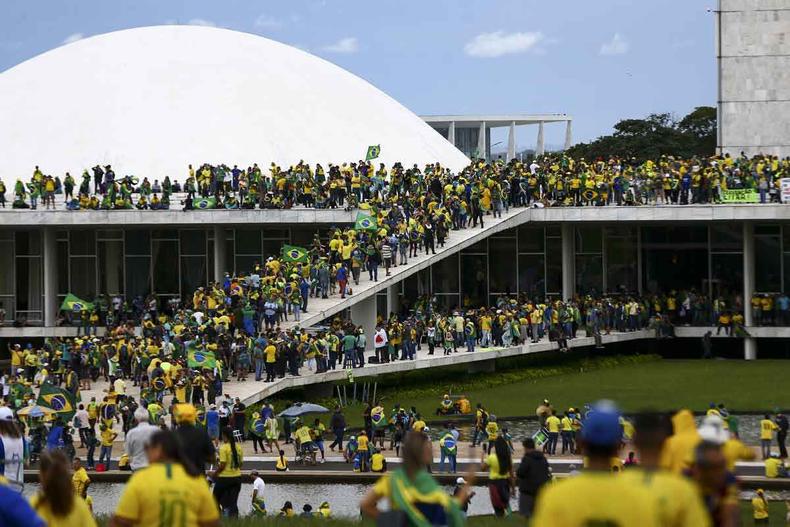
(760, 508)
(108, 435)
(80, 479)
(170, 480)
(775, 467)
(678, 502)
(56, 503)
(767, 428)
(595, 496)
(553, 424)
(678, 450)
(227, 476)
(363, 450)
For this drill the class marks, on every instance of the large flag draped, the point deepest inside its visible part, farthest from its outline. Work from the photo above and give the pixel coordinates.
(73, 303)
(57, 399)
(204, 203)
(365, 222)
(292, 253)
(201, 359)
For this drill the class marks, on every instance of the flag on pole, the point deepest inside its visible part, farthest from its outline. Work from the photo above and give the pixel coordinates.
(73, 303)
(373, 152)
(201, 359)
(205, 203)
(292, 253)
(366, 222)
(57, 399)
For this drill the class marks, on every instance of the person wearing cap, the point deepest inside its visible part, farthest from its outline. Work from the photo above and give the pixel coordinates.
(458, 489)
(677, 500)
(596, 496)
(760, 508)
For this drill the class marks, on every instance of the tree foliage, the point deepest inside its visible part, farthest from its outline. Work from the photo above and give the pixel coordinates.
(656, 135)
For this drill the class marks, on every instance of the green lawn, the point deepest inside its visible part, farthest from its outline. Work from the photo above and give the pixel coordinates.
(656, 384)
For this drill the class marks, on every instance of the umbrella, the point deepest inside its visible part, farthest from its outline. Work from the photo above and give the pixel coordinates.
(35, 411)
(303, 408)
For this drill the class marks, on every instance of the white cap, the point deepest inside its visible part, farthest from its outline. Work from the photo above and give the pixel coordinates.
(6, 414)
(460, 481)
(712, 429)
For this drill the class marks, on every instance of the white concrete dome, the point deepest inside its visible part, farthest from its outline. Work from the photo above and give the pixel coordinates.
(151, 100)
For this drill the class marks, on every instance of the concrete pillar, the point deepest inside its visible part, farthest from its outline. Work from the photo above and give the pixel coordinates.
(568, 134)
(50, 250)
(539, 147)
(568, 262)
(363, 313)
(220, 244)
(393, 299)
(749, 343)
(481, 141)
(451, 133)
(511, 141)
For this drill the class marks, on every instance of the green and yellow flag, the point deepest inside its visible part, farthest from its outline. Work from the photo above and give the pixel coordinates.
(72, 303)
(57, 399)
(292, 253)
(366, 222)
(201, 359)
(205, 203)
(373, 152)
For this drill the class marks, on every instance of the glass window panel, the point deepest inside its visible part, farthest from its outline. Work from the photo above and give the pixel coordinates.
(28, 243)
(589, 274)
(193, 275)
(165, 234)
(110, 267)
(82, 243)
(694, 235)
(502, 263)
(63, 267)
(303, 237)
(138, 242)
(62, 236)
(417, 285)
(767, 229)
(138, 276)
(211, 260)
(272, 247)
(507, 233)
(588, 239)
(445, 275)
(767, 264)
(165, 267)
(29, 286)
(281, 234)
(727, 275)
(245, 264)
(193, 242)
(554, 230)
(669, 268)
(621, 263)
(6, 268)
(6, 236)
(553, 265)
(83, 277)
(531, 239)
(726, 238)
(248, 241)
(474, 273)
(620, 231)
(479, 247)
(113, 234)
(532, 275)
(446, 302)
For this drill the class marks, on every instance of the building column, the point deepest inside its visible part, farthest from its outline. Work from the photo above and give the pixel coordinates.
(393, 299)
(568, 134)
(568, 262)
(363, 313)
(511, 141)
(220, 244)
(451, 133)
(539, 148)
(481, 141)
(50, 249)
(749, 343)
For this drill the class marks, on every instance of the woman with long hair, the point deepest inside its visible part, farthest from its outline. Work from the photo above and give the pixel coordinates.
(169, 491)
(416, 499)
(500, 476)
(56, 502)
(227, 477)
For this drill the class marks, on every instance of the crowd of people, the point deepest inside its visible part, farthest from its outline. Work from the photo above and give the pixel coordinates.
(550, 180)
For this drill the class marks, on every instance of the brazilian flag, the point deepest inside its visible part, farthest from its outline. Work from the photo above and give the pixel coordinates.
(366, 222)
(292, 253)
(201, 359)
(373, 152)
(57, 399)
(205, 203)
(73, 303)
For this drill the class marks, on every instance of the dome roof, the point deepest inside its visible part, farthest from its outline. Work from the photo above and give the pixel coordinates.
(151, 100)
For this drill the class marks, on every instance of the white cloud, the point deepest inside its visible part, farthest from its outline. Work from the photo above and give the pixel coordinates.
(265, 21)
(344, 45)
(498, 43)
(617, 46)
(74, 37)
(201, 22)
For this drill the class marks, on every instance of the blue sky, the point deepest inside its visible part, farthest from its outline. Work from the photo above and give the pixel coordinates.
(599, 61)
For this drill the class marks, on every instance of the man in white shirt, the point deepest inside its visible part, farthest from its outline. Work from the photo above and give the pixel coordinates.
(380, 343)
(137, 439)
(258, 504)
(82, 419)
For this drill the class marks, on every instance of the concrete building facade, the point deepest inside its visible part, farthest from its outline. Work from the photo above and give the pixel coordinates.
(753, 59)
